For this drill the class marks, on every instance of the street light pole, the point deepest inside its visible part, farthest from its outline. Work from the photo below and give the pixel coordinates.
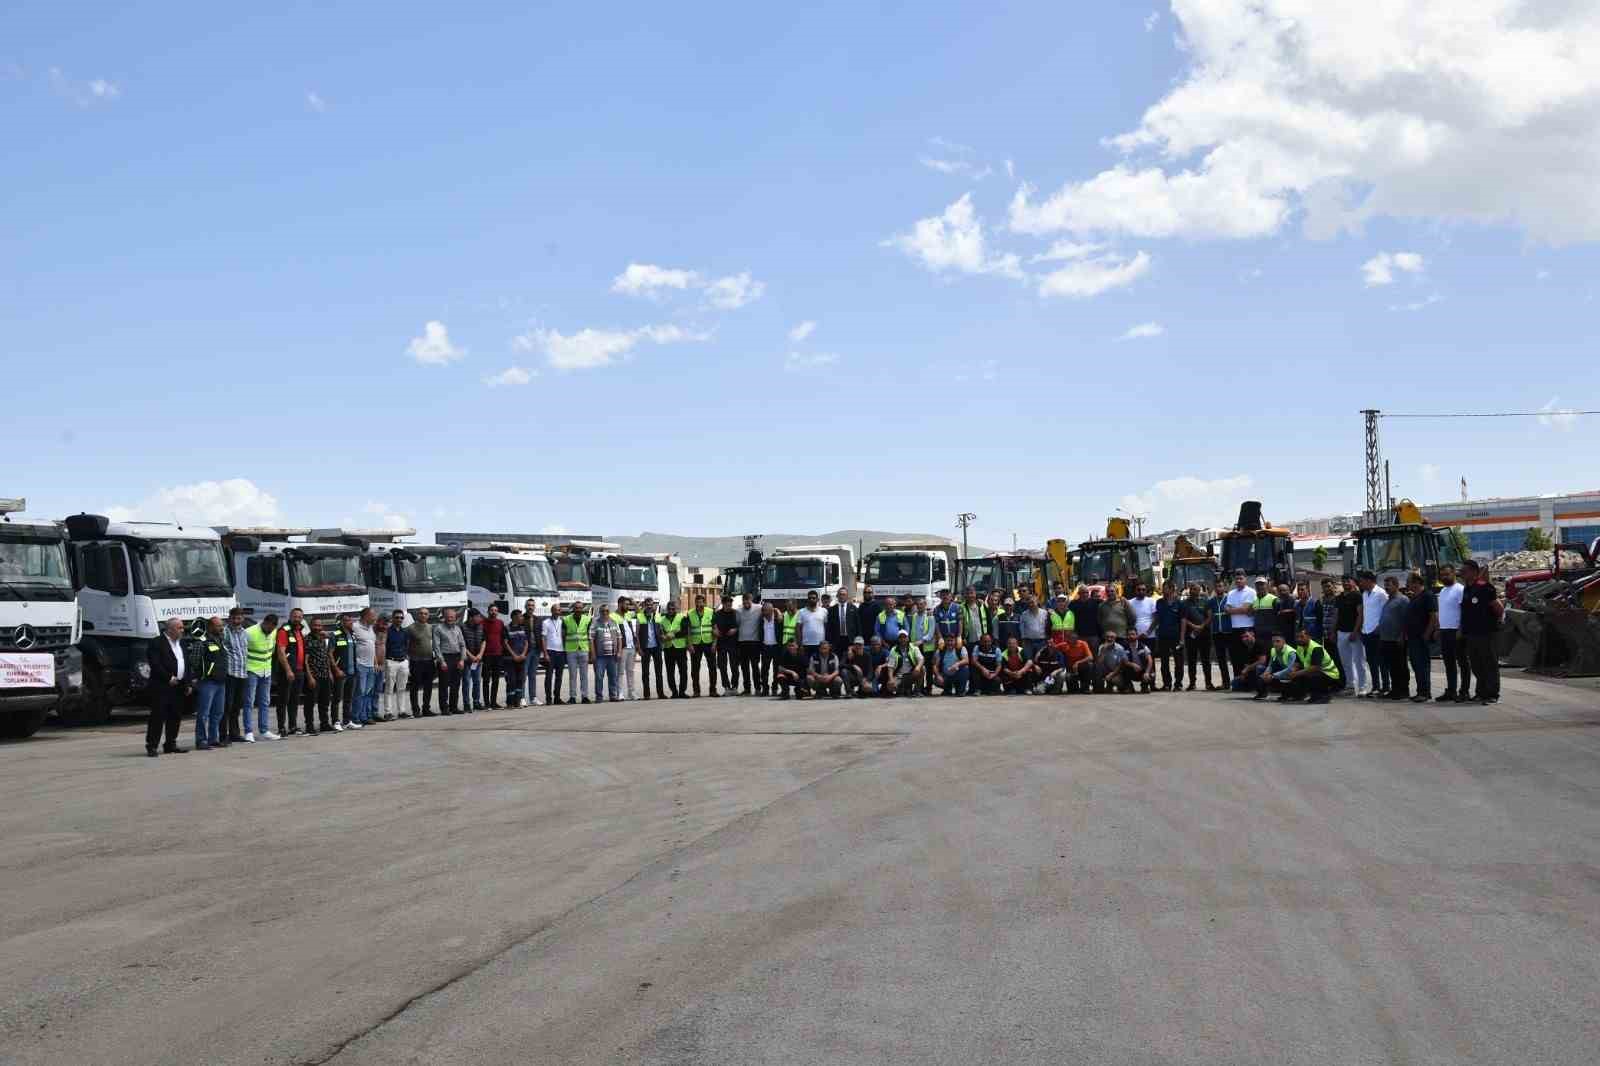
(965, 519)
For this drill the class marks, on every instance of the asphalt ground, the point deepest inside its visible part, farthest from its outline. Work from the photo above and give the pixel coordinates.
(1173, 878)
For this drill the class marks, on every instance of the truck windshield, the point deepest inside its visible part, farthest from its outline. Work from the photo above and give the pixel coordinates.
(1399, 549)
(1253, 555)
(325, 574)
(637, 574)
(170, 568)
(900, 569)
(569, 573)
(531, 577)
(35, 569)
(793, 574)
(737, 582)
(1096, 566)
(1185, 574)
(981, 574)
(430, 572)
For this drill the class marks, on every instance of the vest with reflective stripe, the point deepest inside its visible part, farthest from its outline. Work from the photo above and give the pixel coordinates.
(1059, 622)
(1278, 658)
(575, 632)
(700, 626)
(211, 659)
(673, 626)
(259, 647)
(791, 620)
(1328, 667)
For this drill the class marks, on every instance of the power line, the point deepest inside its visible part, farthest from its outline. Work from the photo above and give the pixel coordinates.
(1552, 413)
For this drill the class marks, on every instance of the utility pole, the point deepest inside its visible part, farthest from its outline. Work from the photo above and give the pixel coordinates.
(1374, 500)
(965, 519)
(1388, 494)
(1138, 521)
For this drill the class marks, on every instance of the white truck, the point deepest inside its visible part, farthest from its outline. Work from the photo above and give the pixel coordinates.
(403, 576)
(41, 668)
(133, 577)
(570, 562)
(610, 573)
(507, 574)
(793, 572)
(916, 568)
(274, 574)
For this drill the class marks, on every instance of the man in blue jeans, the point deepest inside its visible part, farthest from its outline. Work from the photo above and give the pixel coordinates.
(1422, 618)
(365, 654)
(211, 690)
(260, 643)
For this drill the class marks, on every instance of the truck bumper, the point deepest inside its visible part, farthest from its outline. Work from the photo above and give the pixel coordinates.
(69, 686)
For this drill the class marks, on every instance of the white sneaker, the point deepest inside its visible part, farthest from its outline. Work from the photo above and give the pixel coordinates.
(337, 728)
(249, 738)
(269, 735)
(355, 725)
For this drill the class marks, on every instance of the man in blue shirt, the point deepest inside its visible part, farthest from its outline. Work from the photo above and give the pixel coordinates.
(396, 668)
(947, 616)
(1169, 634)
(889, 625)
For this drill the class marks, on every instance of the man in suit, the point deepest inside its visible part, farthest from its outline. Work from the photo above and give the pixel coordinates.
(844, 622)
(169, 684)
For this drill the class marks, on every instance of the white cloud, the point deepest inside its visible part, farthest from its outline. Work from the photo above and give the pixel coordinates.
(956, 160)
(1379, 270)
(1091, 277)
(433, 347)
(511, 375)
(802, 331)
(954, 241)
(1150, 21)
(1462, 110)
(387, 517)
(727, 294)
(1144, 329)
(1189, 502)
(646, 279)
(798, 361)
(1563, 418)
(315, 102)
(590, 348)
(734, 291)
(1063, 250)
(83, 93)
(234, 502)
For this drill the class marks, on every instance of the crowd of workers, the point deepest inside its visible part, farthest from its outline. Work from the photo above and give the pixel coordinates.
(1355, 638)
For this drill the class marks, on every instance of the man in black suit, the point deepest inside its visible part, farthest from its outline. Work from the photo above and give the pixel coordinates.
(844, 622)
(169, 684)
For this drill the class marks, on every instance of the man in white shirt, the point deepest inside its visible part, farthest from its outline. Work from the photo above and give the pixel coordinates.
(1451, 649)
(1240, 606)
(1144, 612)
(749, 644)
(624, 617)
(813, 626)
(1372, 600)
(554, 657)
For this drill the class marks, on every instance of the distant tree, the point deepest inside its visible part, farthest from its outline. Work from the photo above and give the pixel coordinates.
(1459, 539)
(1319, 557)
(1537, 540)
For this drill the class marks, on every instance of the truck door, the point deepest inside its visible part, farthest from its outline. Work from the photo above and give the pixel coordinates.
(265, 589)
(106, 597)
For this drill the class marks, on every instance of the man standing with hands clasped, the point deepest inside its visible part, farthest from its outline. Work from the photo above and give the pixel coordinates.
(168, 687)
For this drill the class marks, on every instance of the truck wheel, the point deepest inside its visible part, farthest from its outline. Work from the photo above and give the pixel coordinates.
(20, 724)
(94, 706)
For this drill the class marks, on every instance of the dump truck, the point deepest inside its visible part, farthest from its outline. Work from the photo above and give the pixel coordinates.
(507, 574)
(794, 571)
(920, 569)
(41, 668)
(276, 570)
(402, 576)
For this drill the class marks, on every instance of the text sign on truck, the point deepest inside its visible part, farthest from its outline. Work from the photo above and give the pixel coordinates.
(23, 670)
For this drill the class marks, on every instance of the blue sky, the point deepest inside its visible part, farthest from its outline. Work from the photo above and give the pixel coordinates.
(223, 239)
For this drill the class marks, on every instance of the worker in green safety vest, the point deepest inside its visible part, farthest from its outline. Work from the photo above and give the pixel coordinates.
(1062, 619)
(702, 645)
(1316, 674)
(575, 642)
(674, 631)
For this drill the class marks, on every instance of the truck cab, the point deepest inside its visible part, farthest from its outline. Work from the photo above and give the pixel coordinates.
(745, 578)
(1262, 553)
(133, 577)
(403, 576)
(919, 569)
(274, 574)
(569, 562)
(793, 572)
(41, 668)
(507, 575)
(1406, 544)
(1009, 573)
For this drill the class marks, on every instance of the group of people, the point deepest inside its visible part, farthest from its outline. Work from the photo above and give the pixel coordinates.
(368, 669)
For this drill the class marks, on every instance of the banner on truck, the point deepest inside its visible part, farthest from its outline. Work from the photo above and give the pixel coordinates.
(22, 670)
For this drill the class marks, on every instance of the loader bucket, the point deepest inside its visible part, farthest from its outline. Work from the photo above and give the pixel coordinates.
(1579, 630)
(1517, 643)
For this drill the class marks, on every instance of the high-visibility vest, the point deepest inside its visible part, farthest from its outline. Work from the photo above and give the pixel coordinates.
(293, 651)
(213, 648)
(791, 620)
(575, 633)
(983, 617)
(259, 647)
(922, 630)
(700, 626)
(1278, 658)
(673, 625)
(1267, 602)
(1059, 622)
(1328, 667)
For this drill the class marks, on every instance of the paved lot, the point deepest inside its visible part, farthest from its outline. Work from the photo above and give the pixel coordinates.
(1165, 879)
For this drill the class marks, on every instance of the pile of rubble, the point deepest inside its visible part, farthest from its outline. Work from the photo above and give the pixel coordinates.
(1519, 562)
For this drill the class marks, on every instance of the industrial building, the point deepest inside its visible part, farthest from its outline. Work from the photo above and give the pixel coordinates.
(1496, 526)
